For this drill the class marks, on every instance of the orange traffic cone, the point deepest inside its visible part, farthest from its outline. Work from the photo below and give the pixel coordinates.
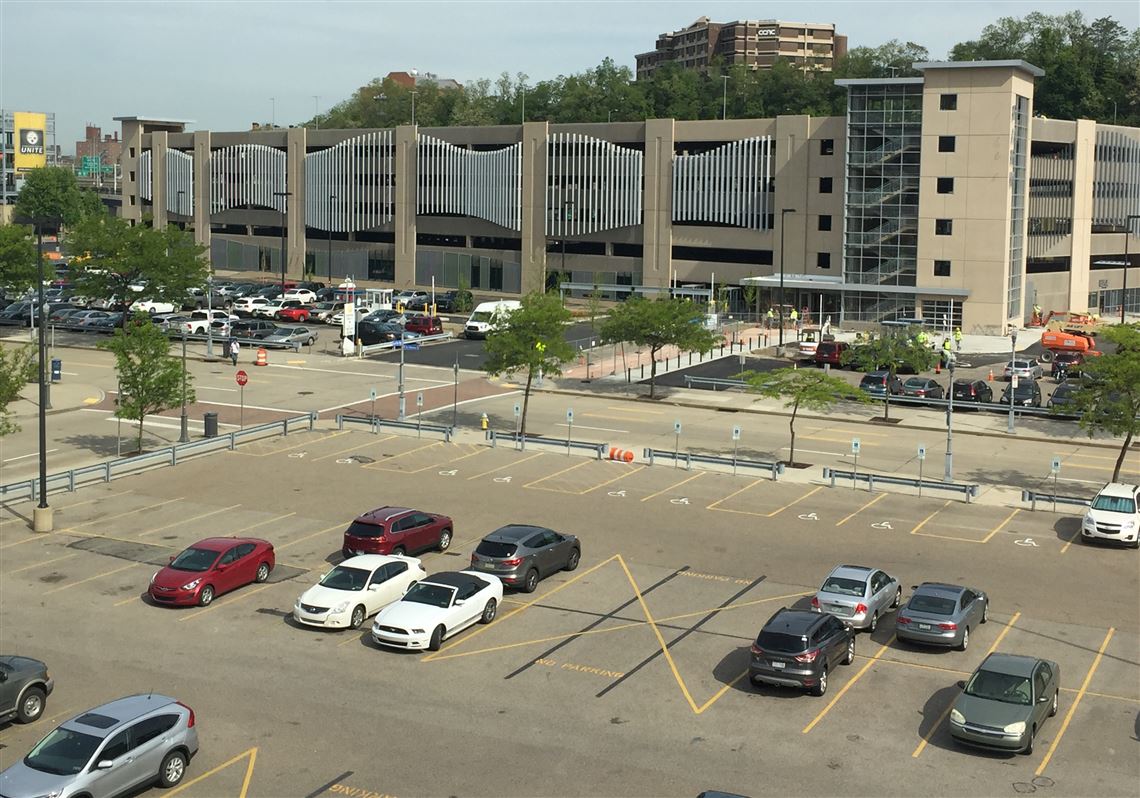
(990, 378)
(938, 367)
(262, 357)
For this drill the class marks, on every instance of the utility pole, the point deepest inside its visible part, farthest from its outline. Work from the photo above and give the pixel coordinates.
(284, 226)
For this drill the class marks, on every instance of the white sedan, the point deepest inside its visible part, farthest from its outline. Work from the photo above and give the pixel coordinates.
(357, 588)
(303, 295)
(439, 607)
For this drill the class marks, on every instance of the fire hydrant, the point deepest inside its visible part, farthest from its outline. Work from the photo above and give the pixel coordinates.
(484, 422)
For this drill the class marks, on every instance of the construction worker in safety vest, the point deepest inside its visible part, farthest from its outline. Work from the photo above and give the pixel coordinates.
(771, 318)
(958, 338)
(794, 316)
(921, 337)
(1036, 313)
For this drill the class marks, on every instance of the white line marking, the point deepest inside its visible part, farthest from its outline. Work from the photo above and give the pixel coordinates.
(600, 429)
(372, 375)
(212, 388)
(33, 454)
(464, 402)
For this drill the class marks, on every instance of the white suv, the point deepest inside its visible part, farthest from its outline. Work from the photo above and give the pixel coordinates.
(1114, 515)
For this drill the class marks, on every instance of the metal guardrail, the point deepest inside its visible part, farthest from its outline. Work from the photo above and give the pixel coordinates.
(1033, 497)
(969, 491)
(384, 346)
(773, 468)
(599, 449)
(374, 423)
(713, 382)
(70, 480)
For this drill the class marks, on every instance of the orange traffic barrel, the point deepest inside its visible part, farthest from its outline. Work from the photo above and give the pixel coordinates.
(262, 357)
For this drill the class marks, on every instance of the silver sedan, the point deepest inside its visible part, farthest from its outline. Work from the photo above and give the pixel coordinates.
(942, 615)
(857, 595)
(292, 335)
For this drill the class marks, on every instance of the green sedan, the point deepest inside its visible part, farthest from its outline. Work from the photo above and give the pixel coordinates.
(1005, 702)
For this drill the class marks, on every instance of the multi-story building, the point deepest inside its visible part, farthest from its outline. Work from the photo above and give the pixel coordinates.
(107, 148)
(10, 178)
(938, 196)
(754, 43)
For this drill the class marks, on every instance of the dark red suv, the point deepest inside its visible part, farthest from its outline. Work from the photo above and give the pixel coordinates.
(424, 325)
(397, 530)
(830, 352)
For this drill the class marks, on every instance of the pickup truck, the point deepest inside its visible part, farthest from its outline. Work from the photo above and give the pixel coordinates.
(201, 320)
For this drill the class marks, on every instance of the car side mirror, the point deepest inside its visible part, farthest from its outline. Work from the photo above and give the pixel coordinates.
(961, 684)
(171, 558)
(373, 588)
(1042, 699)
(104, 764)
(3, 676)
(460, 602)
(223, 566)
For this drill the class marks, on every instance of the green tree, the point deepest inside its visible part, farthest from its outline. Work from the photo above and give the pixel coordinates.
(532, 341)
(17, 256)
(53, 193)
(17, 369)
(810, 389)
(594, 305)
(1109, 399)
(891, 352)
(168, 261)
(150, 378)
(658, 323)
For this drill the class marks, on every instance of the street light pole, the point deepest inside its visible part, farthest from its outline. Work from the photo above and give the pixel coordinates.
(783, 225)
(42, 514)
(724, 98)
(284, 226)
(183, 423)
(413, 107)
(948, 475)
(1012, 375)
(567, 212)
(401, 379)
(210, 315)
(1124, 287)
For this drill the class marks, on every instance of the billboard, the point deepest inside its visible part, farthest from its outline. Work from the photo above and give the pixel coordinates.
(31, 141)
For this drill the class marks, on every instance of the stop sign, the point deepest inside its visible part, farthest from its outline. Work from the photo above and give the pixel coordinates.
(242, 378)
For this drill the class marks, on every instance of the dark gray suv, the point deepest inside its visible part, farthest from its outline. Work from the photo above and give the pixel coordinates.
(521, 554)
(798, 648)
(25, 685)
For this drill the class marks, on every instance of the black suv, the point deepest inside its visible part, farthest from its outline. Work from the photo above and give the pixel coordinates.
(24, 688)
(798, 648)
(252, 328)
(976, 391)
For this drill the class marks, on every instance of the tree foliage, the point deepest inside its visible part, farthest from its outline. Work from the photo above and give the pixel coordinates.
(811, 389)
(17, 369)
(532, 341)
(17, 256)
(150, 378)
(658, 323)
(891, 352)
(52, 193)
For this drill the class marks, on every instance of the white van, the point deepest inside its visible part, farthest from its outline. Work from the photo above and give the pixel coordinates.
(489, 316)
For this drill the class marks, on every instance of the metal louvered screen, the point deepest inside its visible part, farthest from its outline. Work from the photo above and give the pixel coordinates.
(728, 185)
(1050, 199)
(486, 185)
(145, 189)
(349, 186)
(246, 174)
(591, 185)
(1116, 186)
(179, 182)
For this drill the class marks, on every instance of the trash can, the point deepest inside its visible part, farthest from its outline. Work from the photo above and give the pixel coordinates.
(211, 423)
(56, 369)
(226, 348)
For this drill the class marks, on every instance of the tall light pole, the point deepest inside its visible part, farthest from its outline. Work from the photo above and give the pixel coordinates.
(42, 514)
(183, 422)
(331, 198)
(210, 314)
(948, 475)
(401, 379)
(783, 226)
(1124, 287)
(413, 107)
(1012, 375)
(284, 225)
(273, 112)
(567, 212)
(724, 98)
(317, 110)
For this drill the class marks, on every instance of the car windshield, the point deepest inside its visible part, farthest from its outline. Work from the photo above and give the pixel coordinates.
(325, 306)
(935, 605)
(780, 641)
(915, 382)
(1114, 504)
(63, 752)
(844, 587)
(342, 578)
(196, 560)
(481, 315)
(433, 595)
(1003, 687)
(495, 548)
(1021, 364)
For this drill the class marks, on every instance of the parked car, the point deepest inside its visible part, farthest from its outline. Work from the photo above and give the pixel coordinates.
(302, 295)
(1024, 369)
(424, 325)
(1114, 515)
(270, 291)
(326, 294)
(397, 530)
(110, 750)
(411, 299)
(311, 285)
(380, 332)
(521, 554)
(200, 320)
(270, 308)
(324, 311)
(1005, 702)
(87, 321)
(875, 384)
(797, 648)
(858, 595)
(105, 324)
(252, 328)
(1066, 364)
(295, 313)
(246, 306)
(454, 301)
(942, 615)
(977, 391)
(831, 353)
(291, 335)
(385, 315)
(17, 313)
(923, 388)
(1026, 394)
(356, 589)
(25, 685)
(210, 568)
(1062, 396)
(439, 607)
(61, 316)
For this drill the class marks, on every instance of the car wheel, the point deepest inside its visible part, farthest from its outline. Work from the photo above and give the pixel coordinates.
(489, 611)
(965, 639)
(530, 582)
(436, 639)
(262, 572)
(847, 660)
(1028, 749)
(206, 596)
(573, 560)
(357, 617)
(898, 599)
(821, 686)
(31, 705)
(1053, 708)
(986, 613)
(346, 552)
(444, 539)
(874, 623)
(399, 551)
(173, 769)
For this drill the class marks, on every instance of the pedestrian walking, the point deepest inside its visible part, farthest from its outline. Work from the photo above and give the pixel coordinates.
(235, 349)
(958, 338)
(795, 317)
(771, 318)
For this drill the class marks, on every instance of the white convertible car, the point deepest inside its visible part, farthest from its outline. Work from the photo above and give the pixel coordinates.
(440, 606)
(356, 589)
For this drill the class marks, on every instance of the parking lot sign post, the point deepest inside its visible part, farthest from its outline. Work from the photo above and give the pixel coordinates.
(569, 428)
(1055, 468)
(855, 451)
(735, 442)
(518, 421)
(676, 441)
(373, 395)
(419, 411)
(921, 460)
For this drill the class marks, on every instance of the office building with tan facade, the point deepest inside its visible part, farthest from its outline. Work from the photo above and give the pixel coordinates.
(939, 196)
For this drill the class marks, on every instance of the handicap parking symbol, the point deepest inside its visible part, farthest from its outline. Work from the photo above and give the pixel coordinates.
(502, 479)
(450, 473)
(617, 493)
(682, 500)
(809, 517)
(882, 525)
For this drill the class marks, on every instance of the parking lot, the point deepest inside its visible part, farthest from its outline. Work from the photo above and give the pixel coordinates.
(627, 676)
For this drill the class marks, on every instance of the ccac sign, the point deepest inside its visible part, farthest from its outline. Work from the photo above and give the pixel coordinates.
(31, 133)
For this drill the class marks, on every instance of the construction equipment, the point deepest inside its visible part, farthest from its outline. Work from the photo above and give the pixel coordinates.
(1067, 321)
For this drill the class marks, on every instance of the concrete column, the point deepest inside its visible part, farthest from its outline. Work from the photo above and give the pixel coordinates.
(533, 210)
(202, 196)
(405, 222)
(295, 208)
(791, 167)
(657, 203)
(1084, 168)
(130, 210)
(158, 148)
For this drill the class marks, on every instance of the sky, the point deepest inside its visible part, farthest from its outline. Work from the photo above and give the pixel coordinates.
(223, 65)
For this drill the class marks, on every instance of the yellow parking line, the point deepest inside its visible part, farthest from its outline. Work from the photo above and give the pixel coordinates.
(251, 753)
(310, 442)
(230, 599)
(942, 718)
(615, 479)
(353, 448)
(1103, 695)
(866, 667)
(947, 537)
(811, 492)
(117, 495)
(999, 527)
(717, 695)
(237, 533)
(847, 518)
(1076, 702)
(192, 518)
(298, 540)
(924, 521)
(508, 465)
(480, 450)
(43, 564)
(751, 484)
(374, 467)
(34, 536)
(106, 518)
(128, 600)
(96, 576)
(556, 473)
(638, 410)
(674, 486)
(1064, 548)
(833, 440)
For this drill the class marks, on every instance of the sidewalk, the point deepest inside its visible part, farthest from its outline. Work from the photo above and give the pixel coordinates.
(64, 396)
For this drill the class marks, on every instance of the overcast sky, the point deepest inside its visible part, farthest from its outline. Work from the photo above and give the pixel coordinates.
(218, 64)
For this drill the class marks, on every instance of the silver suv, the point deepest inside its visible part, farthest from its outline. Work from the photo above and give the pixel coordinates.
(857, 595)
(129, 743)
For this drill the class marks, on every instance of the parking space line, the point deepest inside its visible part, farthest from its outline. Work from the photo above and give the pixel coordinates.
(719, 693)
(924, 521)
(231, 599)
(866, 667)
(374, 467)
(128, 600)
(794, 502)
(615, 479)
(1064, 548)
(508, 465)
(638, 410)
(847, 518)
(1000, 526)
(1103, 695)
(104, 519)
(192, 518)
(88, 579)
(556, 473)
(751, 484)
(263, 523)
(950, 705)
(479, 450)
(674, 486)
(352, 448)
(1076, 703)
(251, 753)
(43, 564)
(325, 437)
(313, 535)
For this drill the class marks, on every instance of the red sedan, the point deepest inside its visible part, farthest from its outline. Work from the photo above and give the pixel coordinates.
(210, 568)
(299, 313)
(424, 325)
(397, 530)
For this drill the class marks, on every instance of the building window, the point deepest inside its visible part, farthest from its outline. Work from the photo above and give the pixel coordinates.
(943, 227)
(941, 268)
(825, 185)
(946, 144)
(824, 222)
(132, 173)
(132, 149)
(823, 260)
(827, 146)
(945, 185)
(948, 102)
